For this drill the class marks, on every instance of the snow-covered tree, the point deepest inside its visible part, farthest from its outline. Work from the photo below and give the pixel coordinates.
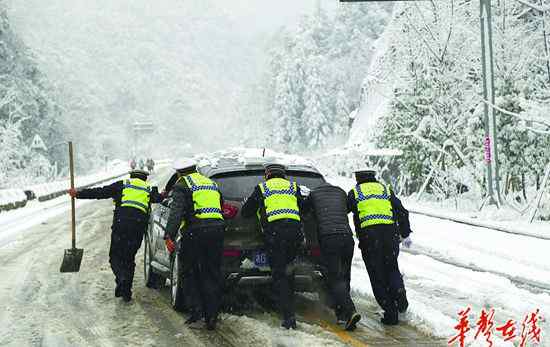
(316, 72)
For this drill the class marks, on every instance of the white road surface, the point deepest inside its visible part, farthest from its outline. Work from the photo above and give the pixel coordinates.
(449, 267)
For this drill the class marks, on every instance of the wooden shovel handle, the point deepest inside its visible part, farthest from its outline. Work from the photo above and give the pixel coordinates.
(73, 214)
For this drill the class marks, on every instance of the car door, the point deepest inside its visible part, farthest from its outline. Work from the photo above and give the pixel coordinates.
(162, 253)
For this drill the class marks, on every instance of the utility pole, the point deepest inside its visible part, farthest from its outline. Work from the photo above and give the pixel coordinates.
(490, 143)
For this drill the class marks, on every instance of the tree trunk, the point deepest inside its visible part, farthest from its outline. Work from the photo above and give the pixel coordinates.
(507, 184)
(523, 186)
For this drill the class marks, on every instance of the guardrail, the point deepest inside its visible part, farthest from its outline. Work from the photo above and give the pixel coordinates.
(11, 199)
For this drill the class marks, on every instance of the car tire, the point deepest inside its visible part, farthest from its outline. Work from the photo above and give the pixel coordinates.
(177, 299)
(152, 279)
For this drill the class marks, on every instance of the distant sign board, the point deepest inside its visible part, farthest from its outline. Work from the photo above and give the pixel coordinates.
(38, 143)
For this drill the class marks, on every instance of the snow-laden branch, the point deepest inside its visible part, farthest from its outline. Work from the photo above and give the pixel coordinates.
(436, 56)
(534, 6)
(538, 120)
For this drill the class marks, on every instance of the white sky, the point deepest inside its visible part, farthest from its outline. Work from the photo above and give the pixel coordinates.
(268, 15)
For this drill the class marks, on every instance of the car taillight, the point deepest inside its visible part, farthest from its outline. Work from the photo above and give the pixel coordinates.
(229, 211)
(315, 252)
(231, 253)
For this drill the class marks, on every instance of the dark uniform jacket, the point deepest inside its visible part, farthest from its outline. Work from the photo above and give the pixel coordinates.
(114, 191)
(183, 208)
(256, 201)
(400, 213)
(329, 206)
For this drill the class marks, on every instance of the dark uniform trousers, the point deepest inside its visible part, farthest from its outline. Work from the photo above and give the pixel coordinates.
(379, 246)
(202, 249)
(126, 236)
(336, 257)
(282, 239)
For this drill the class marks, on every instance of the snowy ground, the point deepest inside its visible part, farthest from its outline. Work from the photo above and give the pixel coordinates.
(449, 267)
(452, 266)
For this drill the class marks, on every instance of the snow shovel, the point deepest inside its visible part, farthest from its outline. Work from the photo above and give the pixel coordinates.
(73, 256)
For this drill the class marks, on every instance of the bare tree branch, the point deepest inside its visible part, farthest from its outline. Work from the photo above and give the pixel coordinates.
(534, 6)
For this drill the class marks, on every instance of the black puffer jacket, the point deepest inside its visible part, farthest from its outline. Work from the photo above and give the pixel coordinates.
(329, 206)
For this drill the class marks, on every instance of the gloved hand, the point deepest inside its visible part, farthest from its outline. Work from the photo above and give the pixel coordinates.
(170, 245)
(72, 192)
(164, 194)
(305, 191)
(406, 242)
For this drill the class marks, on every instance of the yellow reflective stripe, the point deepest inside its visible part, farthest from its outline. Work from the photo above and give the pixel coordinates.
(373, 204)
(206, 196)
(136, 194)
(280, 199)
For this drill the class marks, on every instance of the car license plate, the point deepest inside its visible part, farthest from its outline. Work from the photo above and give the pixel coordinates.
(260, 259)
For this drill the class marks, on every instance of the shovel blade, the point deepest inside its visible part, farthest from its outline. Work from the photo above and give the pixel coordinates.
(71, 260)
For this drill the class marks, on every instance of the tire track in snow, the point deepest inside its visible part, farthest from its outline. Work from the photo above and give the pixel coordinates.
(534, 287)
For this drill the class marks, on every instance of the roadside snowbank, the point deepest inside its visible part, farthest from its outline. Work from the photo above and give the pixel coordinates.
(503, 219)
(11, 199)
(452, 266)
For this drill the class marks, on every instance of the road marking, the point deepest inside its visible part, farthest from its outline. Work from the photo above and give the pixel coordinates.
(336, 330)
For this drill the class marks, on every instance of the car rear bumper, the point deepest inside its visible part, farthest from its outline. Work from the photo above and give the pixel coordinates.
(302, 282)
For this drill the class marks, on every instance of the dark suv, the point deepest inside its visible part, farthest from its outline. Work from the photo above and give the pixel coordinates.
(244, 259)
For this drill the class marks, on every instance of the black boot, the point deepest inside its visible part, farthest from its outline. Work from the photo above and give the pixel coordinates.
(118, 291)
(289, 323)
(211, 323)
(125, 291)
(195, 317)
(351, 324)
(390, 318)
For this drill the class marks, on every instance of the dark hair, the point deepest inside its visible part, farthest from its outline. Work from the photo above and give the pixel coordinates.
(275, 174)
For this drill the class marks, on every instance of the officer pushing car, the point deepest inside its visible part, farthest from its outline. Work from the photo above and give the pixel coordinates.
(377, 213)
(132, 199)
(196, 213)
(277, 202)
(329, 206)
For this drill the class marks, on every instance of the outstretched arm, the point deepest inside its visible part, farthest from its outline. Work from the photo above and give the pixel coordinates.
(105, 192)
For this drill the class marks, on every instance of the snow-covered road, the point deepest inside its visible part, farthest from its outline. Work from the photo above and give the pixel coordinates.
(42, 307)
(450, 267)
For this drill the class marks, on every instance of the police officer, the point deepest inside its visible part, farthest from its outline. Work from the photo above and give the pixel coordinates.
(329, 205)
(132, 199)
(196, 212)
(375, 212)
(277, 202)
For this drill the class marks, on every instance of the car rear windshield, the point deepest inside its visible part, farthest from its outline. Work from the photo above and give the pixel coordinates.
(239, 185)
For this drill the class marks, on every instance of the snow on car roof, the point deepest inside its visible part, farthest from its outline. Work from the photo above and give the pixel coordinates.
(362, 152)
(241, 157)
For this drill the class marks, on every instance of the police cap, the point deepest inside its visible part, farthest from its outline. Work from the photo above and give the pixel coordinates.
(184, 165)
(137, 172)
(365, 173)
(274, 169)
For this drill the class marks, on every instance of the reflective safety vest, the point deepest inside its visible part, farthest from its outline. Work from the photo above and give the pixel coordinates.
(136, 194)
(206, 196)
(280, 199)
(373, 204)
